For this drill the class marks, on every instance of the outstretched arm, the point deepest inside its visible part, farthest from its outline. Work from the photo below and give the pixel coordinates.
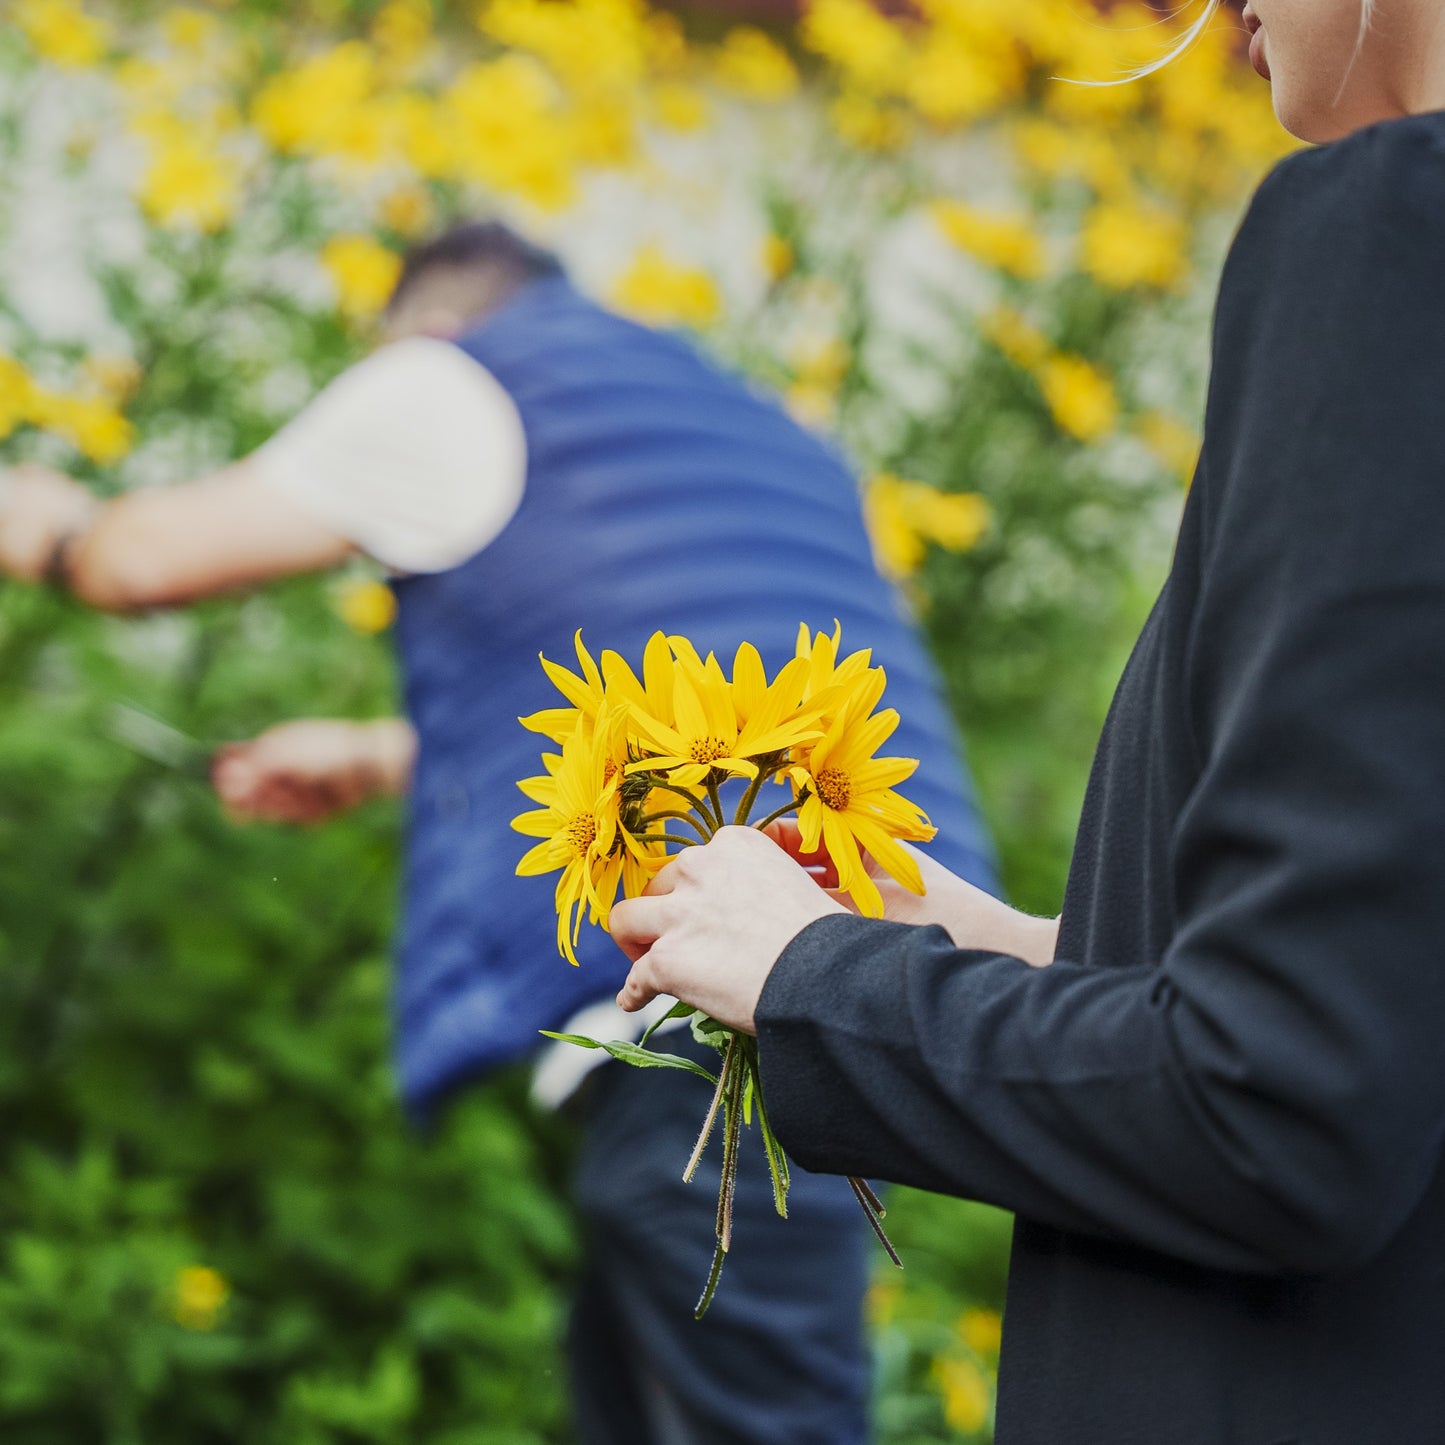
(162, 546)
(311, 770)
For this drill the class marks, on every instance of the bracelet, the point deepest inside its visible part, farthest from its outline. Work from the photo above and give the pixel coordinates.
(57, 566)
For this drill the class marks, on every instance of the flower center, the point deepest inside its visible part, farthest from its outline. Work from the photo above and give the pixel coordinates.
(582, 834)
(834, 788)
(707, 750)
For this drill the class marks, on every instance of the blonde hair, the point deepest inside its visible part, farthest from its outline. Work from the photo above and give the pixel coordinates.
(1195, 33)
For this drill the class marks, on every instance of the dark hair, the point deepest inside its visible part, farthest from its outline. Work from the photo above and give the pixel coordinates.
(482, 246)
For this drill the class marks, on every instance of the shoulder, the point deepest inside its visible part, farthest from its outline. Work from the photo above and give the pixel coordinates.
(1383, 185)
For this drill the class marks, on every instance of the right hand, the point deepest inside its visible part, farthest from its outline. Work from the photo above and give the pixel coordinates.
(972, 918)
(308, 771)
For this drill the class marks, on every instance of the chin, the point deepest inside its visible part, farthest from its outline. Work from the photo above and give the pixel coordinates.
(1313, 121)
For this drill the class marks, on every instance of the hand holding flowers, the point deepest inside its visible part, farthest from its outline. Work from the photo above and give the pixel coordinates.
(640, 784)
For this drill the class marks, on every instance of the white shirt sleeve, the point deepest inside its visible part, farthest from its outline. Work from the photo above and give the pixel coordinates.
(416, 455)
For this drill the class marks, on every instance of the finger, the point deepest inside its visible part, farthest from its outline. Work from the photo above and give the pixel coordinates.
(664, 881)
(637, 923)
(641, 986)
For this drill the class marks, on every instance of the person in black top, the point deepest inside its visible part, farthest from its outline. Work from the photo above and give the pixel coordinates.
(1214, 1091)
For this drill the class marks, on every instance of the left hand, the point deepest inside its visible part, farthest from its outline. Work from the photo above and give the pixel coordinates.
(38, 507)
(713, 923)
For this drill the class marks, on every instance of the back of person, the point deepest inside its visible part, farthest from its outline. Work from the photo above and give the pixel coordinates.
(661, 494)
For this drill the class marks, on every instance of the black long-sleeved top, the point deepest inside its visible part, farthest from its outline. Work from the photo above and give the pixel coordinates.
(1219, 1115)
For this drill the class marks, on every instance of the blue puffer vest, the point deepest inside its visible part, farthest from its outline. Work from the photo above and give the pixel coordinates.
(661, 494)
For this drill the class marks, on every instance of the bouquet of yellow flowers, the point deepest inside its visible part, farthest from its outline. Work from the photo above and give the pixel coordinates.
(651, 765)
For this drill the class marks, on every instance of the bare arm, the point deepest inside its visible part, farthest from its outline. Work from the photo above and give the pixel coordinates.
(311, 770)
(161, 547)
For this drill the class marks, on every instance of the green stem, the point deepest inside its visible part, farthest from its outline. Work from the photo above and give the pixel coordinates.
(780, 813)
(708, 1123)
(689, 818)
(712, 792)
(710, 1288)
(671, 838)
(732, 1138)
(865, 1197)
(745, 807)
(693, 802)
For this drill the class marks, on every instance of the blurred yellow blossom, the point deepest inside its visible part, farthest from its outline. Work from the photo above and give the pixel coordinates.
(982, 1331)
(116, 376)
(364, 271)
(93, 425)
(661, 291)
(1017, 337)
(779, 258)
(586, 43)
(401, 31)
(188, 183)
(867, 123)
(366, 606)
(307, 108)
(190, 30)
(867, 47)
(1080, 396)
(407, 210)
(903, 517)
(751, 63)
(1175, 444)
(511, 132)
(1009, 242)
(16, 393)
(198, 1297)
(679, 106)
(967, 1394)
(61, 32)
(1127, 245)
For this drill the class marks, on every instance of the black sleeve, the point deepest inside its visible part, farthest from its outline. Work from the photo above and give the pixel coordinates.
(1269, 1096)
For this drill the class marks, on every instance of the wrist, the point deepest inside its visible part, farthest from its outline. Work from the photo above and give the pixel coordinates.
(386, 751)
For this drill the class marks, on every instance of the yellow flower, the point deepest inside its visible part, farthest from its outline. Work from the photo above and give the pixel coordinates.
(779, 258)
(16, 395)
(365, 274)
(407, 210)
(848, 799)
(982, 1331)
(679, 106)
(585, 694)
(660, 291)
(1017, 337)
(1123, 246)
(868, 48)
(967, 1397)
(188, 30)
(1008, 242)
(188, 184)
(308, 108)
(401, 30)
(903, 516)
(825, 672)
(1080, 396)
(91, 424)
(62, 33)
(753, 64)
(580, 825)
(864, 122)
(199, 1296)
(1175, 444)
(723, 726)
(366, 606)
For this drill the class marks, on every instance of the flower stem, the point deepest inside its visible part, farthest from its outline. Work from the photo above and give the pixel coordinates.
(694, 803)
(745, 807)
(712, 792)
(689, 818)
(707, 1125)
(867, 1201)
(672, 838)
(780, 813)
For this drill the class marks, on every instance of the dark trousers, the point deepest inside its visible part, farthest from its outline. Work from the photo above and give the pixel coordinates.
(780, 1358)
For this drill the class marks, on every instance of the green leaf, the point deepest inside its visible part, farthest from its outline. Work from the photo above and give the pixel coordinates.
(631, 1054)
(677, 1011)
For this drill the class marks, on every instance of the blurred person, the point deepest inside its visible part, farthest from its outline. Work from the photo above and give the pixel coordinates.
(527, 463)
(1213, 1092)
